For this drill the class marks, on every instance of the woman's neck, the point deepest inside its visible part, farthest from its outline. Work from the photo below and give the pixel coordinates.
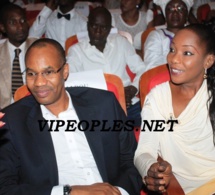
(130, 17)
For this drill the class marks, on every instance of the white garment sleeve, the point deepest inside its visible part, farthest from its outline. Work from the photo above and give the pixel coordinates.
(153, 51)
(123, 192)
(137, 40)
(147, 150)
(74, 59)
(149, 16)
(38, 28)
(58, 190)
(134, 62)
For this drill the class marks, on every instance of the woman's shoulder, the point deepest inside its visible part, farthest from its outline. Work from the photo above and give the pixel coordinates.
(160, 89)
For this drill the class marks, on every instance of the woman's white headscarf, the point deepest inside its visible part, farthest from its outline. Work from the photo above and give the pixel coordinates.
(163, 3)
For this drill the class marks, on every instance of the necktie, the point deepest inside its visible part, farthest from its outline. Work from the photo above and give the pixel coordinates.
(67, 16)
(16, 72)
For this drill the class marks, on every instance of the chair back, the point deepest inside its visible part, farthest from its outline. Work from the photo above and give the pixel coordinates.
(151, 78)
(114, 84)
(202, 12)
(21, 92)
(69, 42)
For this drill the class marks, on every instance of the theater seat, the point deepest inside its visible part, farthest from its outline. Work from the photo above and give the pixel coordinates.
(114, 84)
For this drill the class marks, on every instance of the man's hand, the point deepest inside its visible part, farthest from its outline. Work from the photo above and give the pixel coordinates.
(52, 4)
(159, 176)
(130, 92)
(95, 189)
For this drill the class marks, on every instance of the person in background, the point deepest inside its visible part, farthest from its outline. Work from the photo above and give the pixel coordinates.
(111, 4)
(110, 53)
(58, 23)
(82, 161)
(14, 24)
(131, 20)
(157, 44)
(188, 152)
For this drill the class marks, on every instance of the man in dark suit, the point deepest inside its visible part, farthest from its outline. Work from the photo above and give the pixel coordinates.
(96, 158)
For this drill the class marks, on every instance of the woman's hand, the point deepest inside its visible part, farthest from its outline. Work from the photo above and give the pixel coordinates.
(159, 176)
(1, 122)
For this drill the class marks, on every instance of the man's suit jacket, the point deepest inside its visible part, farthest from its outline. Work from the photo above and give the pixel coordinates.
(27, 159)
(6, 72)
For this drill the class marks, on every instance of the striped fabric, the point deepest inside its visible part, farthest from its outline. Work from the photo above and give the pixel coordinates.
(16, 72)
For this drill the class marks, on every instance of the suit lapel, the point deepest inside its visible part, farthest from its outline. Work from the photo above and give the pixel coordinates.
(88, 113)
(43, 142)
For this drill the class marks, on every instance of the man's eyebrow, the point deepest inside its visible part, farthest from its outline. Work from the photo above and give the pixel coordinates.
(48, 67)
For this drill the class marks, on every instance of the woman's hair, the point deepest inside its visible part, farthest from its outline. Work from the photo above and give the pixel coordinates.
(207, 36)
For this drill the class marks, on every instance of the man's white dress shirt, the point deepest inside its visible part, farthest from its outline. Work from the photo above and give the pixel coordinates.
(75, 161)
(57, 29)
(118, 53)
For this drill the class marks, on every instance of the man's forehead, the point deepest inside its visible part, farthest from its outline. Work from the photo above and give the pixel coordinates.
(99, 17)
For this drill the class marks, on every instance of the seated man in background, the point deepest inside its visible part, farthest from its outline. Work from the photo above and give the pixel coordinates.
(14, 24)
(111, 53)
(40, 157)
(58, 24)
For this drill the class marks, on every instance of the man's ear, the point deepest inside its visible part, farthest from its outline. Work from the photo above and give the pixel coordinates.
(210, 60)
(66, 71)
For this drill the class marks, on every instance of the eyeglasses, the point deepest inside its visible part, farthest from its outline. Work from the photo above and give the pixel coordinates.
(178, 8)
(102, 27)
(47, 74)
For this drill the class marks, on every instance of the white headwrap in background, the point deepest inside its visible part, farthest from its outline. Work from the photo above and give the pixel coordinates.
(163, 3)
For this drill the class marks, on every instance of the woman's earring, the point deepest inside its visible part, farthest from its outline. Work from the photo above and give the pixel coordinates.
(205, 75)
(137, 6)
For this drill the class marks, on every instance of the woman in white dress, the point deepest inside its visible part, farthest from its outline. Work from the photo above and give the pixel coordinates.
(188, 152)
(131, 19)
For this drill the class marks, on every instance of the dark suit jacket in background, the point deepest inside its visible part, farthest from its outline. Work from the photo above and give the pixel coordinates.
(27, 159)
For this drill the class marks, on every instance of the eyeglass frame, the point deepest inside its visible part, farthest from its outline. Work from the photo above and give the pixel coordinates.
(43, 73)
(177, 8)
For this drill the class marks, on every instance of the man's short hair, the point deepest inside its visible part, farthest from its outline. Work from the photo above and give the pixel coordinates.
(98, 11)
(8, 8)
(43, 42)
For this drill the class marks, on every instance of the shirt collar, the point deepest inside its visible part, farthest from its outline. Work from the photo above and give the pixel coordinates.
(71, 12)
(12, 47)
(109, 42)
(46, 112)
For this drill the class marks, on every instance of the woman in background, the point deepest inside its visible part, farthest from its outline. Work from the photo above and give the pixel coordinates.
(131, 19)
